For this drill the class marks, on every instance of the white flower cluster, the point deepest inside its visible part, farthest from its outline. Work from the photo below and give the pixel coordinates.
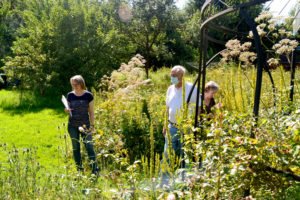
(263, 17)
(247, 57)
(127, 78)
(232, 50)
(260, 30)
(236, 51)
(270, 31)
(137, 61)
(267, 27)
(283, 33)
(285, 46)
(273, 62)
(265, 22)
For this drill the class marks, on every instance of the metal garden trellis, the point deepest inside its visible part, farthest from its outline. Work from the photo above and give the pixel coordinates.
(208, 23)
(261, 58)
(204, 38)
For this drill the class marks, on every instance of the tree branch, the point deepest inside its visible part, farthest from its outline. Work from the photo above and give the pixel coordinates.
(285, 173)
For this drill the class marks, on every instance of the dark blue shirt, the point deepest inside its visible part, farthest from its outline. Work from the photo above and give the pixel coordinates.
(79, 106)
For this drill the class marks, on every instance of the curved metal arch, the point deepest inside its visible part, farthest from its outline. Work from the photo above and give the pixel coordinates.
(266, 65)
(202, 57)
(207, 64)
(267, 68)
(261, 61)
(225, 29)
(261, 64)
(293, 69)
(211, 39)
(205, 5)
(231, 9)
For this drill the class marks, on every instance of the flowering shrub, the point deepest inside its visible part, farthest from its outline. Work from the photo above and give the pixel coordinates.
(268, 163)
(235, 51)
(285, 47)
(129, 106)
(272, 37)
(279, 36)
(267, 27)
(131, 74)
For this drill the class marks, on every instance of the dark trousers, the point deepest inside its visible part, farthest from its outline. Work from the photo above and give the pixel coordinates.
(88, 143)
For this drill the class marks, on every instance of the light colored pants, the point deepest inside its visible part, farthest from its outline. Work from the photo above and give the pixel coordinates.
(175, 139)
(176, 145)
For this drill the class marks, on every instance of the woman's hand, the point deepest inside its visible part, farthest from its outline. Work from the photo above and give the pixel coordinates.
(92, 129)
(219, 105)
(68, 110)
(164, 131)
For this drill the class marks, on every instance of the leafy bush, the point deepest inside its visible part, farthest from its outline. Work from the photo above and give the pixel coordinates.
(128, 142)
(233, 161)
(130, 105)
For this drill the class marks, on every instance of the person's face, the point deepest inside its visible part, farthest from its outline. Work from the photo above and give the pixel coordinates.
(75, 85)
(210, 94)
(177, 74)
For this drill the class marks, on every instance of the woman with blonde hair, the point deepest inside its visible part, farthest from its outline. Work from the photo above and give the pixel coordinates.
(81, 121)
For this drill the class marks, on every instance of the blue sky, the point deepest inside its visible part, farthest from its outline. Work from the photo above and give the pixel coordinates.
(275, 7)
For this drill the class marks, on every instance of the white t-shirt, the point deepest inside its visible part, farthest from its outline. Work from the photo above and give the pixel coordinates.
(174, 100)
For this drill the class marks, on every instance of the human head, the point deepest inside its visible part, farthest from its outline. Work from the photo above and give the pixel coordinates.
(210, 89)
(77, 81)
(178, 71)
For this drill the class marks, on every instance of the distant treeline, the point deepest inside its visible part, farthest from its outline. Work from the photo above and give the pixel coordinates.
(44, 42)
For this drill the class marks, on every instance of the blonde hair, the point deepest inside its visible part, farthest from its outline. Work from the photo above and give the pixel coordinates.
(211, 85)
(179, 68)
(78, 79)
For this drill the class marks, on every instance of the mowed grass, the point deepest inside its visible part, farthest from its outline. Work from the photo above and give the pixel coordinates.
(32, 123)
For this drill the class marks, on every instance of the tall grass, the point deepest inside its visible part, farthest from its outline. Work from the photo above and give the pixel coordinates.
(129, 144)
(238, 88)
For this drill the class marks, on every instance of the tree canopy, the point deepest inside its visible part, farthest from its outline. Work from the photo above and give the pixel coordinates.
(44, 43)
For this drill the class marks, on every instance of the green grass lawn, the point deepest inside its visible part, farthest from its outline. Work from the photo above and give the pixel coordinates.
(29, 124)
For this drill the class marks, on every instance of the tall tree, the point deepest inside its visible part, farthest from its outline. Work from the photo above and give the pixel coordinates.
(10, 21)
(233, 21)
(63, 38)
(148, 27)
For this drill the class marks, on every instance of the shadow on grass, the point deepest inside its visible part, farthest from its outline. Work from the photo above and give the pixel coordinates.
(12, 103)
